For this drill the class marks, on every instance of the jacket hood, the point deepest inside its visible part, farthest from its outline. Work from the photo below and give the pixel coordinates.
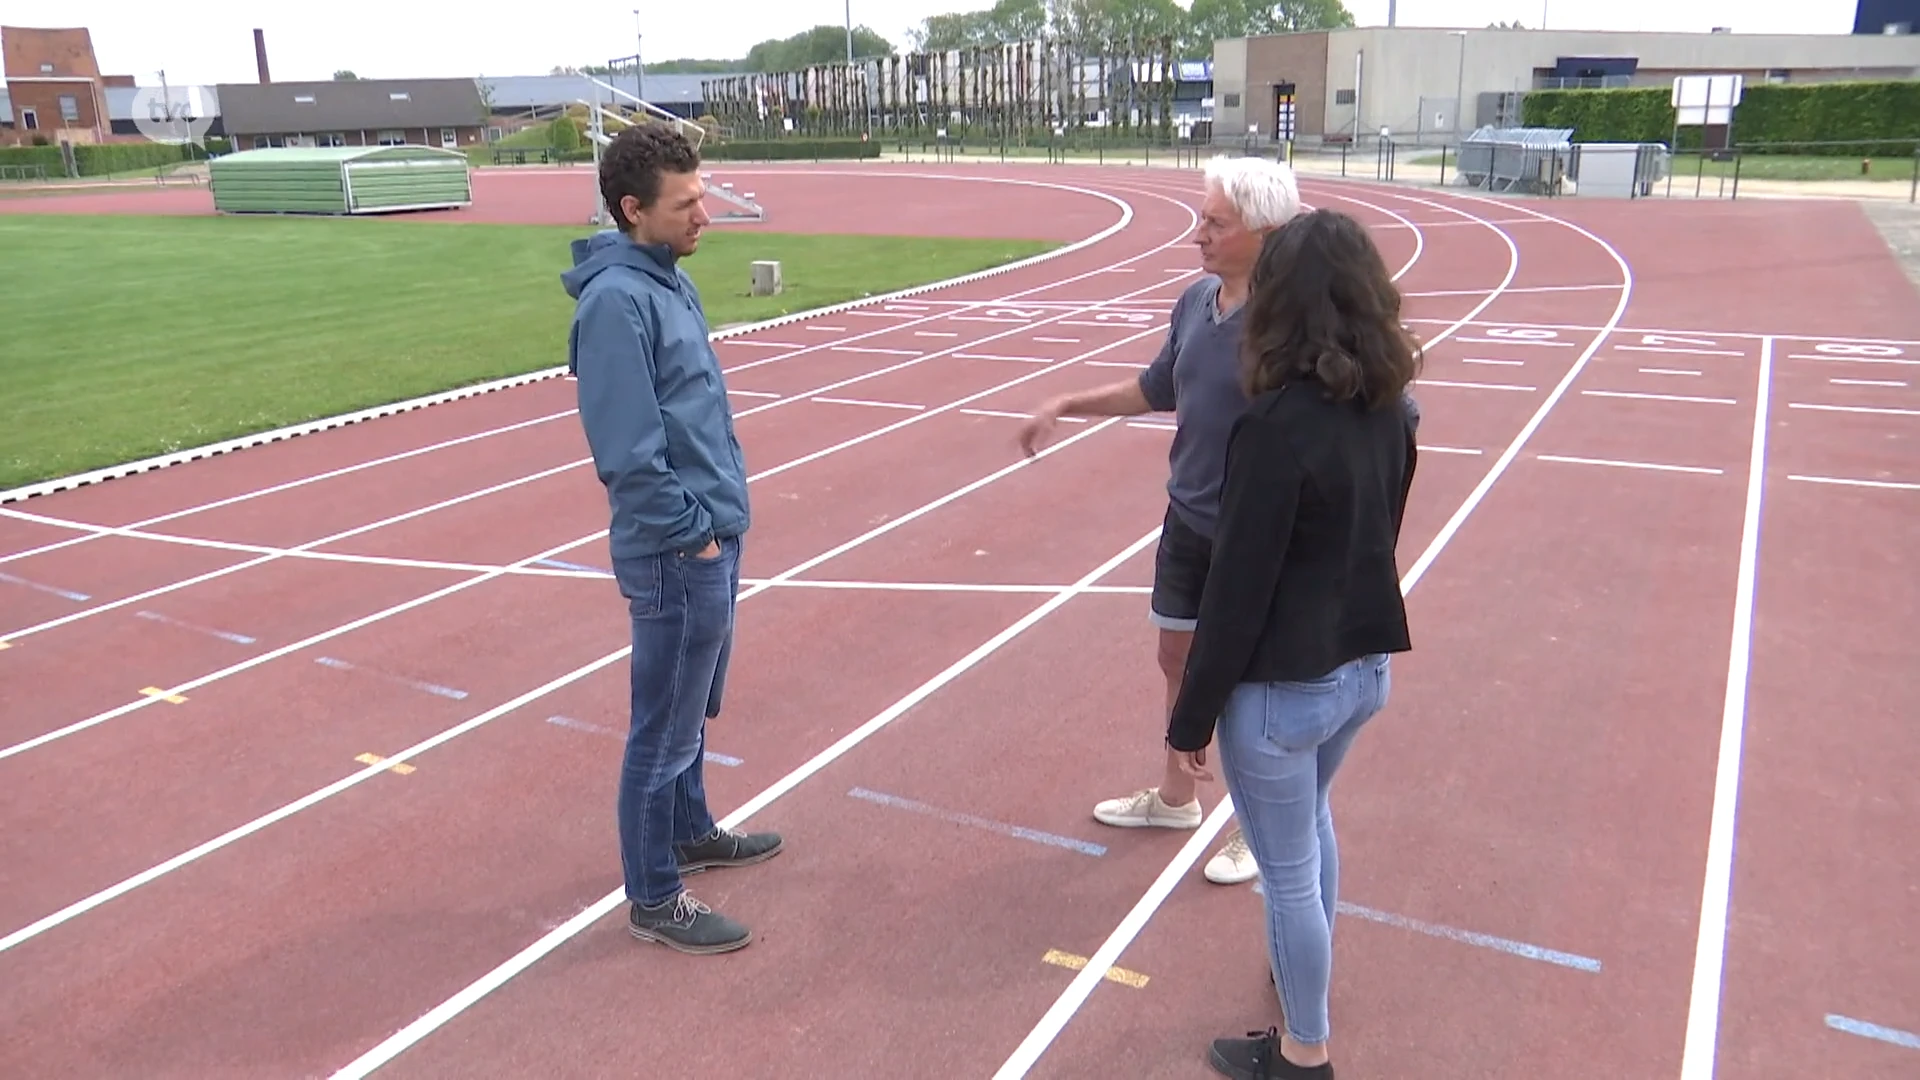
(611, 247)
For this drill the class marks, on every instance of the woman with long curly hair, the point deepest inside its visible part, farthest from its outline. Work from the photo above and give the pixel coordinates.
(1303, 607)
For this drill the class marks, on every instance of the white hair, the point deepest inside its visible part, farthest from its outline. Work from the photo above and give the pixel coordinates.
(1264, 193)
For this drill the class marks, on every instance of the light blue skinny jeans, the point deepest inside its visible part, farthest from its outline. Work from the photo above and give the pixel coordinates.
(1280, 745)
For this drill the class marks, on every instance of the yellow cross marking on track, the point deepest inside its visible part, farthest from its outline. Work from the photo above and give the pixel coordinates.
(374, 759)
(1119, 975)
(154, 691)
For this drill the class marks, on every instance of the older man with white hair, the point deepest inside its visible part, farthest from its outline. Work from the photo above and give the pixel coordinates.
(1196, 377)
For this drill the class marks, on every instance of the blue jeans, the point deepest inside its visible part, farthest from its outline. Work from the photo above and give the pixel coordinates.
(682, 610)
(1280, 745)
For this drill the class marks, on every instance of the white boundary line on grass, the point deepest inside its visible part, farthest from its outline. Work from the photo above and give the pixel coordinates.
(180, 457)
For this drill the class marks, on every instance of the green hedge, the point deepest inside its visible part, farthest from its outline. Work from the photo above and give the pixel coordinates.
(1830, 114)
(791, 150)
(103, 159)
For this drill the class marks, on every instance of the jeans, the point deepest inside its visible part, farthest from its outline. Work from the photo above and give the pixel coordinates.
(681, 608)
(1280, 745)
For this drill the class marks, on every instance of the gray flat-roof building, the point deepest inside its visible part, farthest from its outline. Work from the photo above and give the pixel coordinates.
(1336, 83)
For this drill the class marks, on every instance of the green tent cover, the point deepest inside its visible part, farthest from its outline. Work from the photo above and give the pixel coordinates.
(339, 179)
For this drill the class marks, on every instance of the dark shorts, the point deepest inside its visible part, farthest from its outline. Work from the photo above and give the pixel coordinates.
(1179, 574)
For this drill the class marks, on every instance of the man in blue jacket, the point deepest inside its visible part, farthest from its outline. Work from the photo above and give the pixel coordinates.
(656, 416)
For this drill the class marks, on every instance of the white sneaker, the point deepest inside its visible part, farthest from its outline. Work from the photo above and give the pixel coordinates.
(1145, 808)
(1233, 863)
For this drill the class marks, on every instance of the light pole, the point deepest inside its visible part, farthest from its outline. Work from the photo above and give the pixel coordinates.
(849, 33)
(639, 67)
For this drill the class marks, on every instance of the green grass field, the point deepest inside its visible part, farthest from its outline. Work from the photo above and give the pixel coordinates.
(135, 336)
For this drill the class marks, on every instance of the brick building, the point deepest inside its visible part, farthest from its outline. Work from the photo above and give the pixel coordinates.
(55, 92)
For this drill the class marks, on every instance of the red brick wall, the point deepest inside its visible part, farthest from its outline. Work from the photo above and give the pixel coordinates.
(90, 125)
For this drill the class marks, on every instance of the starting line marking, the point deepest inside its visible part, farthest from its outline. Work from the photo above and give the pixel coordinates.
(1020, 415)
(1873, 1031)
(1075, 963)
(997, 356)
(1018, 832)
(1671, 349)
(65, 594)
(868, 404)
(874, 349)
(225, 635)
(711, 757)
(1855, 409)
(1477, 385)
(375, 759)
(154, 691)
(1894, 484)
(1466, 937)
(1660, 397)
(431, 688)
(1628, 464)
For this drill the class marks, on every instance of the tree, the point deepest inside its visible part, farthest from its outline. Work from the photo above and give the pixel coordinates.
(1211, 20)
(820, 45)
(1006, 21)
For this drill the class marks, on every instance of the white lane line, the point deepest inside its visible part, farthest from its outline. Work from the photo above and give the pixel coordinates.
(268, 554)
(146, 701)
(291, 485)
(88, 903)
(398, 1042)
(1703, 1003)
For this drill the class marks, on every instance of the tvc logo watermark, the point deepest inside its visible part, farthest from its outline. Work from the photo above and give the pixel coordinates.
(171, 115)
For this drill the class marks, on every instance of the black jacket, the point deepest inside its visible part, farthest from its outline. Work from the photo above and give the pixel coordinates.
(1303, 577)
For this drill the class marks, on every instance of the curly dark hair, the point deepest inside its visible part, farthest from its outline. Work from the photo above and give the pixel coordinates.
(633, 163)
(1322, 305)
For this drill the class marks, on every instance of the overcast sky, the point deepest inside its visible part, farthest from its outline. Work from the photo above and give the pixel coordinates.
(210, 41)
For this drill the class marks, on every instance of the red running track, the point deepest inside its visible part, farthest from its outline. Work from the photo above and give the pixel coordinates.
(944, 663)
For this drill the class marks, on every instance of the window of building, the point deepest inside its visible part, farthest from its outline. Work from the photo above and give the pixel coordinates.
(449, 138)
(399, 95)
(1343, 97)
(1232, 101)
(30, 119)
(330, 138)
(392, 138)
(303, 99)
(69, 108)
(46, 69)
